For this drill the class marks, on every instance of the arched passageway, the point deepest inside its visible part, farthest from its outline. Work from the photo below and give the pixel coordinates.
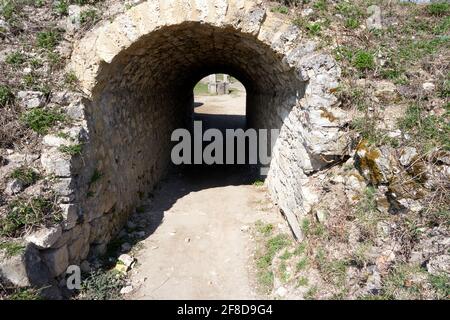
(138, 73)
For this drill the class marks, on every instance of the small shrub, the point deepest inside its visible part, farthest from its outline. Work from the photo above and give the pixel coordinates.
(438, 8)
(444, 87)
(70, 78)
(441, 284)
(366, 127)
(302, 264)
(25, 294)
(306, 226)
(47, 39)
(367, 215)
(31, 80)
(41, 120)
(265, 258)
(276, 243)
(8, 8)
(303, 282)
(280, 9)
(299, 22)
(54, 58)
(351, 23)
(102, 285)
(63, 135)
(72, 150)
(36, 63)
(397, 284)
(311, 294)
(258, 183)
(6, 96)
(443, 26)
(26, 175)
(89, 17)
(363, 60)
(62, 7)
(320, 5)
(349, 10)
(16, 58)
(39, 3)
(430, 130)
(26, 214)
(12, 248)
(264, 229)
(314, 28)
(334, 271)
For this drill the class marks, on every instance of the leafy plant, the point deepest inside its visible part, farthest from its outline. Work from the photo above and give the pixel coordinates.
(89, 17)
(311, 293)
(258, 183)
(62, 7)
(302, 282)
(72, 150)
(280, 9)
(302, 264)
(264, 229)
(363, 60)
(47, 39)
(265, 258)
(314, 28)
(12, 248)
(8, 8)
(102, 285)
(351, 23)
(28, 213)
(6, 96)
(320, 5)
(367, 214)
(26, 175)
(438, 8)
(41, 120)
(39, 3)
(70, 78)
(430, 129)
(398, 283)
(16, 58)
(441, 284)
(25, 294)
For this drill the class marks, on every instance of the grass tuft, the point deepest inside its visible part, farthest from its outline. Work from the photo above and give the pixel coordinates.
(41, 120)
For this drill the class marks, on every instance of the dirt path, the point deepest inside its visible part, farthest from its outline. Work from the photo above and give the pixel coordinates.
(200, 246)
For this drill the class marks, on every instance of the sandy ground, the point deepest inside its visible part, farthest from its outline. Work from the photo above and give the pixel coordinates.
(199, 245)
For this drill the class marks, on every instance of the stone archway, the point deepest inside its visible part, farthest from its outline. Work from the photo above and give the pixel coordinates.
(137, 74)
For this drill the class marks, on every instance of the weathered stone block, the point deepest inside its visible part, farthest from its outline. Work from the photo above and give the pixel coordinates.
(45, 238)
(25, 269)
(57, 260)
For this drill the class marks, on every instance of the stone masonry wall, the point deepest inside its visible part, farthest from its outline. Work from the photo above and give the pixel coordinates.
(137, 74)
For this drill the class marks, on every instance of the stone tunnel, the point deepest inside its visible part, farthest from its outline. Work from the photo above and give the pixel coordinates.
(137, 74)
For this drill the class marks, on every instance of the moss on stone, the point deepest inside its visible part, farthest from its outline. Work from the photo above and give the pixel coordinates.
(328, 115)
(367, 162)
